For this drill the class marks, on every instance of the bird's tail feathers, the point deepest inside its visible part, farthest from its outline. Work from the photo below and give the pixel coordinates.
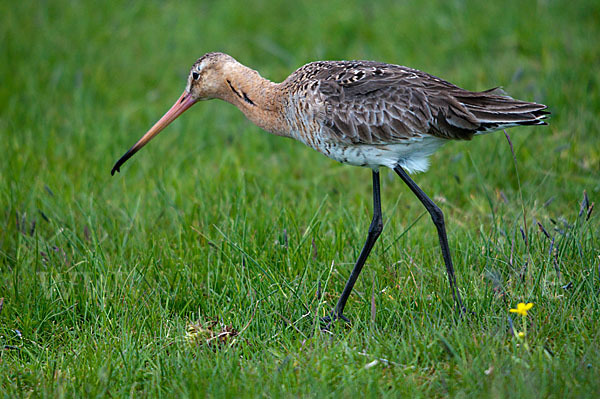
(495, 110)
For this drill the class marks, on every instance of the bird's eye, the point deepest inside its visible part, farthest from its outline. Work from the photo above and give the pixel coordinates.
(195, 75)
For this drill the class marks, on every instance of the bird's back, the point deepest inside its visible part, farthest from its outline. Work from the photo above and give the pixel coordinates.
(367, 105)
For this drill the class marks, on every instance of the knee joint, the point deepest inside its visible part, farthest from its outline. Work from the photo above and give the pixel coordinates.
(437, 215)
(376, 226)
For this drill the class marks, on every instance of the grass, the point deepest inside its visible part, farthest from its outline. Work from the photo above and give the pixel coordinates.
(219, 225)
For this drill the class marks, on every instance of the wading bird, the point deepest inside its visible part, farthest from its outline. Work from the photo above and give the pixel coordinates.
(361, 113)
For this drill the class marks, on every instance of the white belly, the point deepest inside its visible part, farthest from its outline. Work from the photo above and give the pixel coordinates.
(412, 155)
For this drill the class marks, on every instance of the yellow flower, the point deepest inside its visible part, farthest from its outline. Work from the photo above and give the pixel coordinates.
(522, 308)
(521, 334)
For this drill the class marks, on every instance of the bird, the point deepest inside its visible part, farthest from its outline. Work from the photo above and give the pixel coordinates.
(361, 113)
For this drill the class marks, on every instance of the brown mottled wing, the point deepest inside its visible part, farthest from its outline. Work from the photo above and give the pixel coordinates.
(373, 103)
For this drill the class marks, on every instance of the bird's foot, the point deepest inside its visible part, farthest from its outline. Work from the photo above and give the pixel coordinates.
(327, 321)
(462, 312)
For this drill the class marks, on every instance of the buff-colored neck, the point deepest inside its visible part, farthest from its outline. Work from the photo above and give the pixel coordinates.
(258, 98)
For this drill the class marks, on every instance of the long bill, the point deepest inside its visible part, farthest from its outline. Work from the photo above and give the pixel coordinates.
(181, 105)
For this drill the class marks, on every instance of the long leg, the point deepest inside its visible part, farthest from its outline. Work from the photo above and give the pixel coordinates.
(438, 219)
(374, 232)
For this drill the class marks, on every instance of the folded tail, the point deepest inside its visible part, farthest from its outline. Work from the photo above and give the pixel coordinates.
(494, 110)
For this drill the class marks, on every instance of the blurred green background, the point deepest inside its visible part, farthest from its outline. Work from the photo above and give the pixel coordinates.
(217, 220)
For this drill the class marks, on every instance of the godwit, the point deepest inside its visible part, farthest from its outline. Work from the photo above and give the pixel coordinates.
(361, 113)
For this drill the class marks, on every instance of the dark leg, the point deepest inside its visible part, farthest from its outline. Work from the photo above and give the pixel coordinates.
(374, 232)
(438, 219)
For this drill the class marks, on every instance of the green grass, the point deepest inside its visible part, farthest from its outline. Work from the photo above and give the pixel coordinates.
(217, 221)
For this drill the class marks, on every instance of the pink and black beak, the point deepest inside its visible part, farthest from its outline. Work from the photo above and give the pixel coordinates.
(181, 105)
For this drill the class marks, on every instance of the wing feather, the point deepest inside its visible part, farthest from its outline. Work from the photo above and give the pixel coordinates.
(367, 102)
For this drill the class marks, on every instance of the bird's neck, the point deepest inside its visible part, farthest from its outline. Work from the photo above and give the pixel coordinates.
(258, 98)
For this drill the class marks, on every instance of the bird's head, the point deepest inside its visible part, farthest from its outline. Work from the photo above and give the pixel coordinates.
(207, 78)
(205, 81)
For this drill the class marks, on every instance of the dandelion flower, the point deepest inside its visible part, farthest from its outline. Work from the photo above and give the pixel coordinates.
(522, 308)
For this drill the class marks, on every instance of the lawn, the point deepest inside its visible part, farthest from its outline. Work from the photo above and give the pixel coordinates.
(201, 269)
